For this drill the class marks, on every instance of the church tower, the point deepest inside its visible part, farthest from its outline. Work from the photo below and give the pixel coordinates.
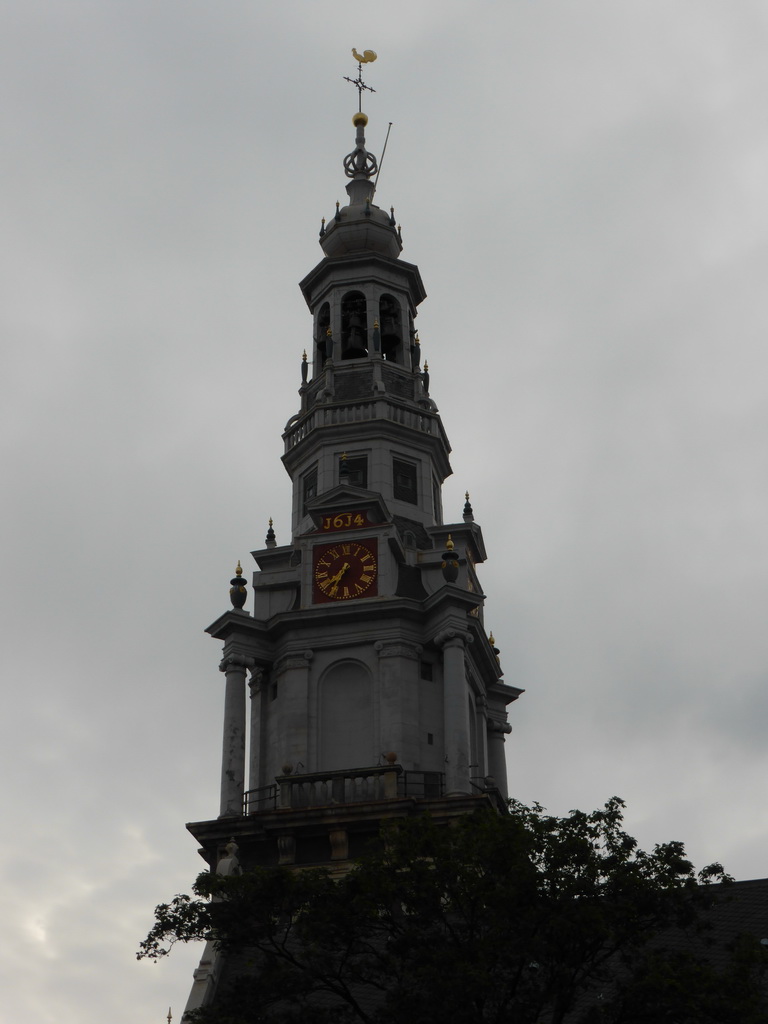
(361, 685)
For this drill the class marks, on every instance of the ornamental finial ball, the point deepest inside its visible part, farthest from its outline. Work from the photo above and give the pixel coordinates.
(239, 569)
(359, 120)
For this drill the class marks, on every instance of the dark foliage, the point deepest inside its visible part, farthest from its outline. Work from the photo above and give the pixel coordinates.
(525, 918)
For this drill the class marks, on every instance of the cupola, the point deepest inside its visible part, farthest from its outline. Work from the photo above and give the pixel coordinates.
(361, 226)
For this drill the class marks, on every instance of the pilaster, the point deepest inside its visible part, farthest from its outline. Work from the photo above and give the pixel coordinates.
(297, 717)
(399, 697)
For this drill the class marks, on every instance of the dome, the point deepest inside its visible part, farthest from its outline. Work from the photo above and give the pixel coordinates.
(361, 226)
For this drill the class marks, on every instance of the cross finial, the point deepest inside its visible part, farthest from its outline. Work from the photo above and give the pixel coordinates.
(366, 57)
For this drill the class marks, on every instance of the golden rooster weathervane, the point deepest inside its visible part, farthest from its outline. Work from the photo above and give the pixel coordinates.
(366, 57)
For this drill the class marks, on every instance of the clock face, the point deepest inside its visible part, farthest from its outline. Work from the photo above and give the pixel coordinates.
(344, 571)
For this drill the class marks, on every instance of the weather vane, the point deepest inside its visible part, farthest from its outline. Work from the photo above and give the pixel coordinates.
(366, 57)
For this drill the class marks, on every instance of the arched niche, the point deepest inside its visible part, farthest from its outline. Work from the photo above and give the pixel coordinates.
(391, 328)
(322, 340)
(354, 326)
(345, 719)
(414, 348)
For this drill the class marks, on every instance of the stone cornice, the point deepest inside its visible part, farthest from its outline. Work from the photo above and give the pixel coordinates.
(337, 268)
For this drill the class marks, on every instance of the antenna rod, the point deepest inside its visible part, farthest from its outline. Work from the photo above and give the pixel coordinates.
(384, 150)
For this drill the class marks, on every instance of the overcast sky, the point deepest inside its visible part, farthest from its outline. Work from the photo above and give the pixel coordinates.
(583, 186)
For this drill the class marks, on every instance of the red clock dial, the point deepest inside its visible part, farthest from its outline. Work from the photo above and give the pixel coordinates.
(345, 571)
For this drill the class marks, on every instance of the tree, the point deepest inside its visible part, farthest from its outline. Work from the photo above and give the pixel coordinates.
(524, 918)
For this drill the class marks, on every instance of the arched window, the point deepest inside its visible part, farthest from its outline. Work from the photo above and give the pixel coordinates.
(391, 332)
(354, 333)
(346, 717)
(322, 341)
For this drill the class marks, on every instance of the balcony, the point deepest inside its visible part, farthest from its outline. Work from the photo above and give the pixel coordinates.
(360, 412)
(350, 786)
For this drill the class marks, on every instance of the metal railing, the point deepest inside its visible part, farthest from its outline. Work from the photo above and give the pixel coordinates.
(262, 799)
(423, 785)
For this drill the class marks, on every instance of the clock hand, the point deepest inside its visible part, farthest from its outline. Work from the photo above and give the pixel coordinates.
(335, 580)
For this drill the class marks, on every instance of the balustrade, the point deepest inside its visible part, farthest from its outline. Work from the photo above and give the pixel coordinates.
(358, 412)
(356, 785)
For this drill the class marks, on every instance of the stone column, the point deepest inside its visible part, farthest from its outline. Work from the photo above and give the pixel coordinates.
(255, 687)
(497, 762)
(233, 748)
(455, 710)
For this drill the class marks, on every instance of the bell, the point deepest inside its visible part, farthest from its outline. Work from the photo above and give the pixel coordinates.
(355, 347)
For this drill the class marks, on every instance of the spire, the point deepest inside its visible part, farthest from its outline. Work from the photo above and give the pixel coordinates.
(468, 515)
(361, 226)
(270, 541)
(360, 165)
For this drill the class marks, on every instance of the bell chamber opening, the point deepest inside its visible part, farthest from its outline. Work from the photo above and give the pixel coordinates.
(354, 341)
